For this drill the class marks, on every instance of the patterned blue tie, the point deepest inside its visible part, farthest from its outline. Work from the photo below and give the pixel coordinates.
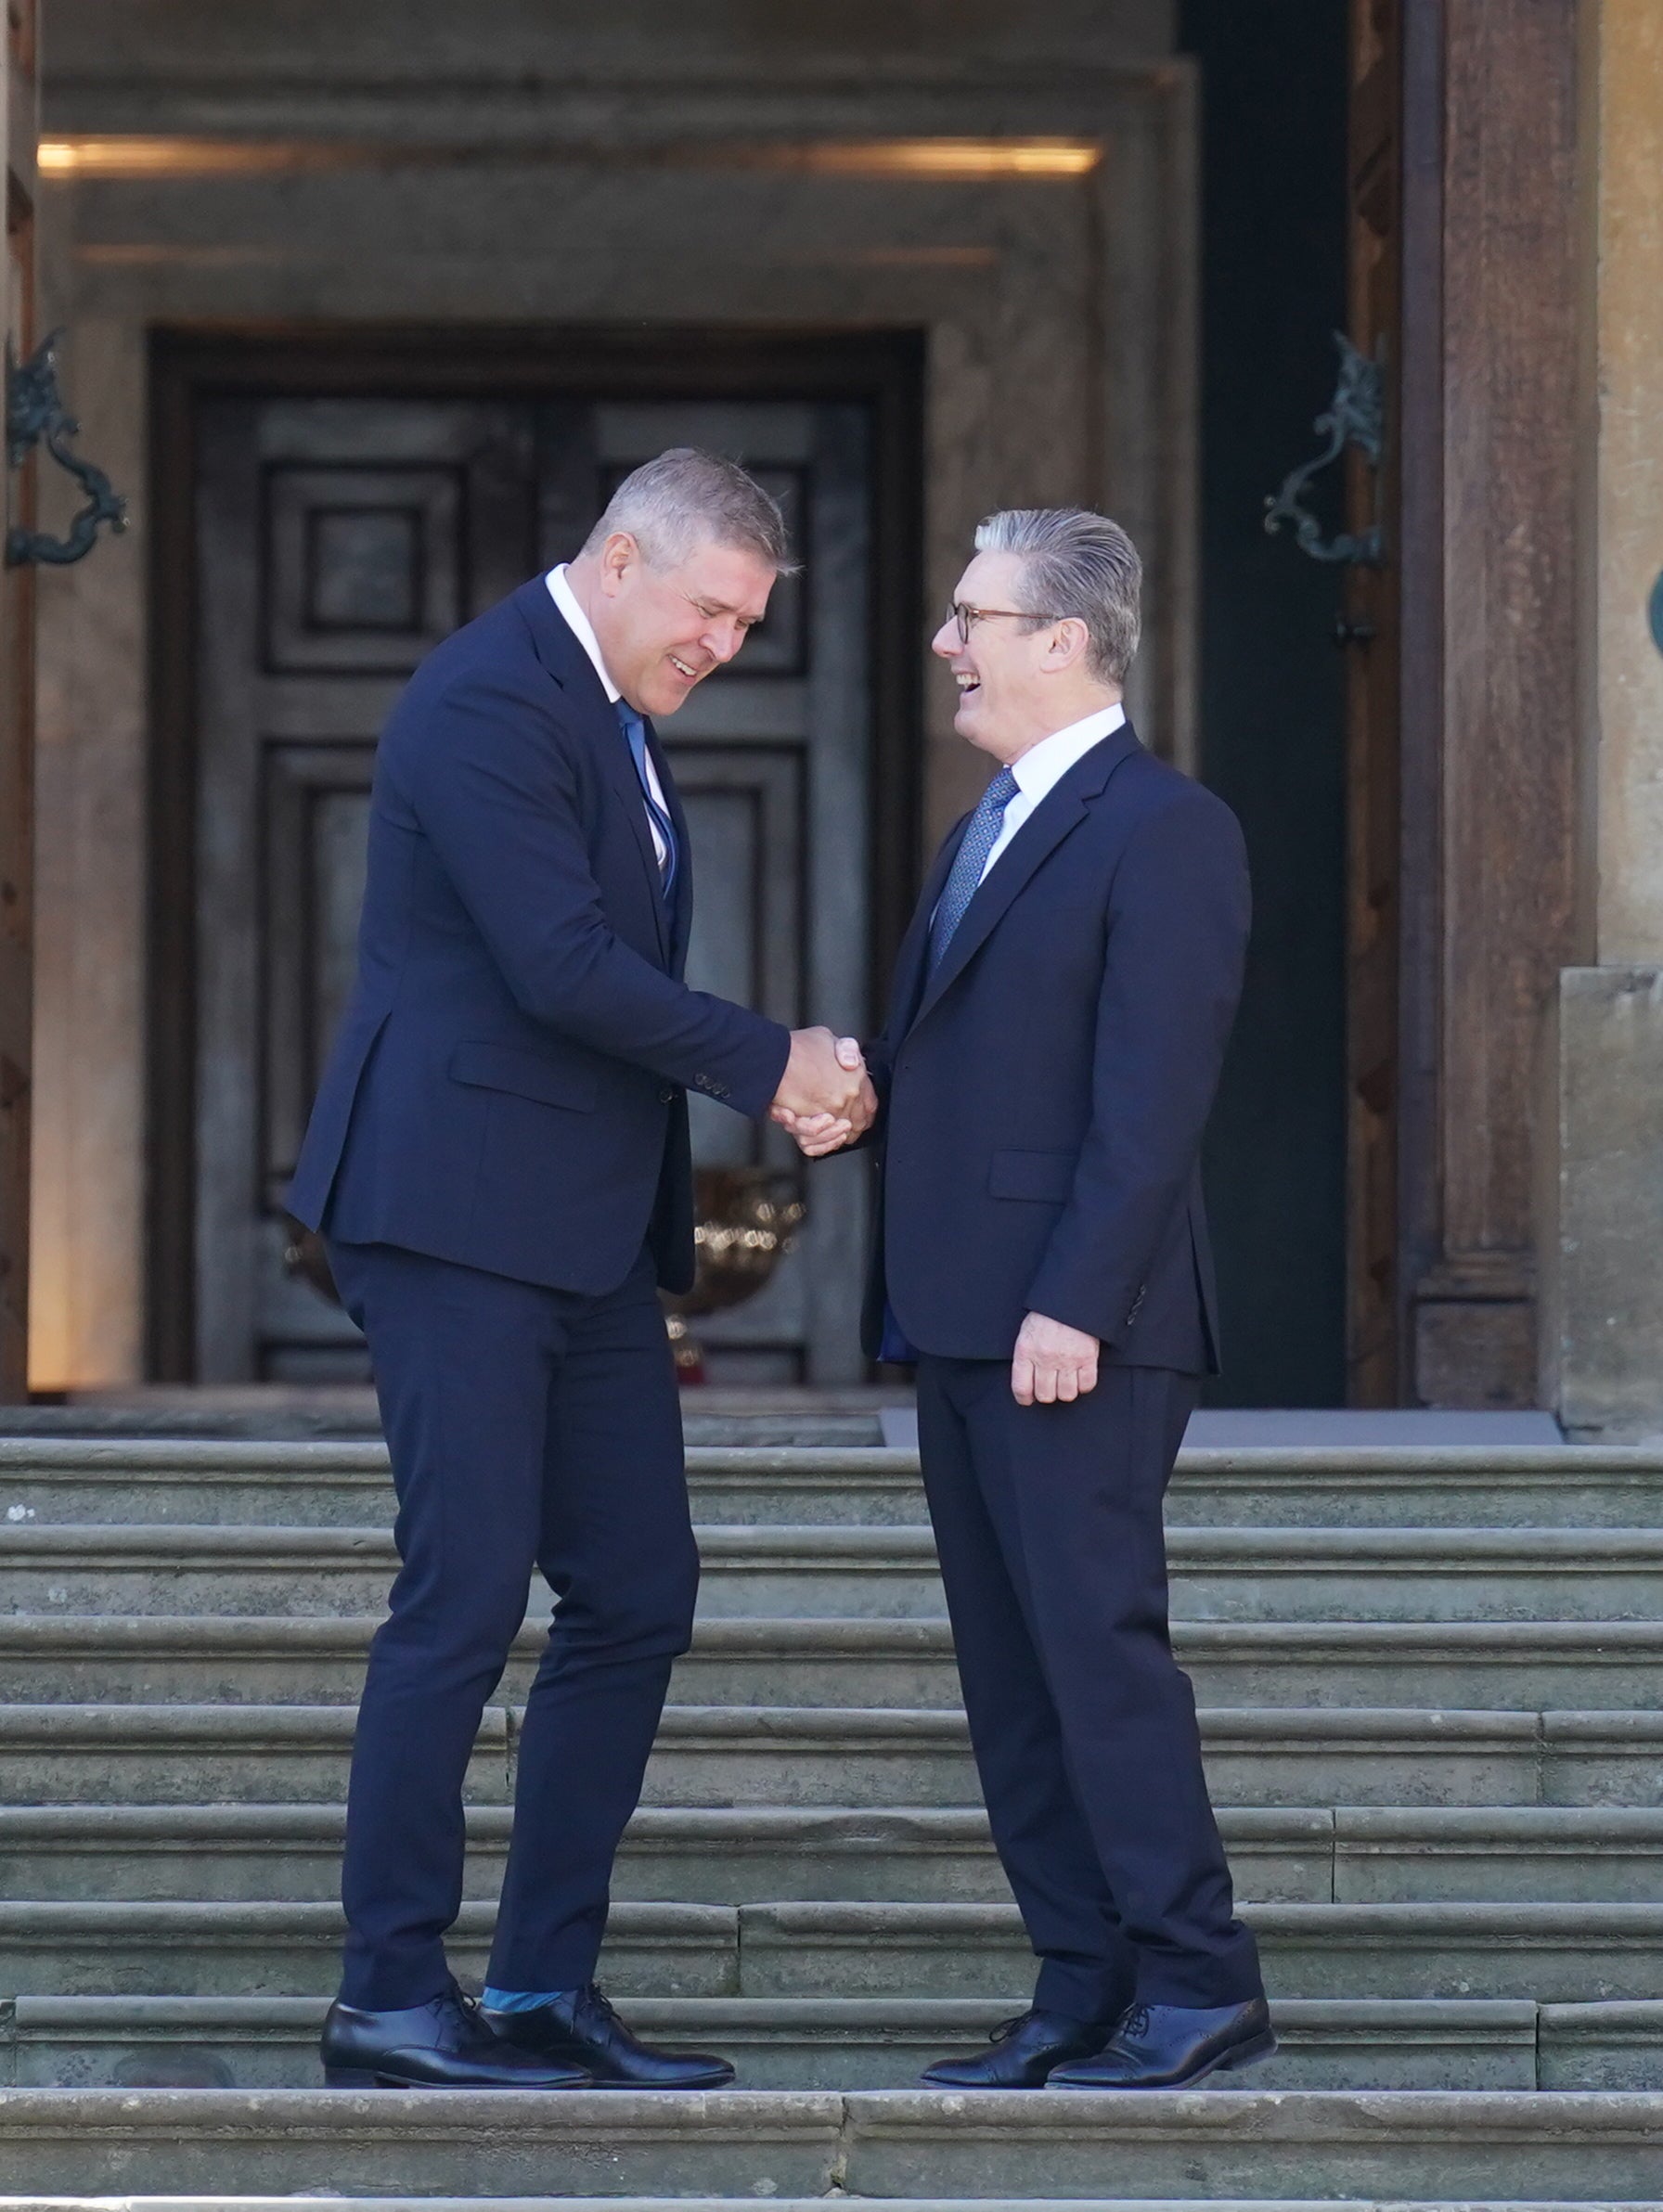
(981, 834)
(634, 729)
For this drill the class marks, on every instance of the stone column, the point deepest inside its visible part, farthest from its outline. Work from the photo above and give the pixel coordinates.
(1601, 1099)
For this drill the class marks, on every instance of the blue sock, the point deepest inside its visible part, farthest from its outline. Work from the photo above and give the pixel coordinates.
(519, 2001)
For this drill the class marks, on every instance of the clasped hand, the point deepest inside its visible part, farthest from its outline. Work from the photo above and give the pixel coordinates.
(825, 1097)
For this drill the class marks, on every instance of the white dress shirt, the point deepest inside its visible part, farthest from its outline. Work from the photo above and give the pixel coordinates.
(1046, 764)
(578, 623)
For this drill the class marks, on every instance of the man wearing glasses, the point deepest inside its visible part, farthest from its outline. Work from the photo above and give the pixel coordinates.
(1061, 1008)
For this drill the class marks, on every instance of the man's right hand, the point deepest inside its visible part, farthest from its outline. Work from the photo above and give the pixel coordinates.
(825, 1096)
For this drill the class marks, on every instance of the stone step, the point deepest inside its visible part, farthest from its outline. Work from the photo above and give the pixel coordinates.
(1551, 1953)
(218, 2203)
(850, 2043)
(345, 1483)
(1452, 2149)
(706, 1855)
(1496, 1855)
(731, 1415)
(1218, 1574)
(1569, 1954)
(265, 1950)
(1419, 1487)
(805, 1756)
(837, 1572)
(219, 1659)
(727, 1854)
(188, 1755)
(1480, 1665)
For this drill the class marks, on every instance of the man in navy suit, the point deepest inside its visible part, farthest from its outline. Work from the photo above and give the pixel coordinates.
(498, 1159)
(1061, 1008)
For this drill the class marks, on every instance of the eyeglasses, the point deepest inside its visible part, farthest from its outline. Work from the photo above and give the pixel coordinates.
(965, 617)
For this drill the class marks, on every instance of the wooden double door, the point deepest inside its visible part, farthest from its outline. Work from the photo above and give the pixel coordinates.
(337, 539)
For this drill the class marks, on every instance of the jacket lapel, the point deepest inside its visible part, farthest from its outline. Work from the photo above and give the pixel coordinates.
(1061, 810)
(910, 960)
(571, 667)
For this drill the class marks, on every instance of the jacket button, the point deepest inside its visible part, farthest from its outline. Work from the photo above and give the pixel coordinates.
(666, 1097)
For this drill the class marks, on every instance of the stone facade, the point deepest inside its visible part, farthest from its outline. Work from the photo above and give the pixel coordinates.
(763, 167)
(644, 172)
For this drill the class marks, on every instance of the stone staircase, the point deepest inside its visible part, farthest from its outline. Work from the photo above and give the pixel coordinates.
(1432, 1682)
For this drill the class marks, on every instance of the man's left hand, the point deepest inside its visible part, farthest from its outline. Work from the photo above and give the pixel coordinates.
(1053, 1364)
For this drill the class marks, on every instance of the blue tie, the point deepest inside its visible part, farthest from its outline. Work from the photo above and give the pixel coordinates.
(634, 729)
(981, 834)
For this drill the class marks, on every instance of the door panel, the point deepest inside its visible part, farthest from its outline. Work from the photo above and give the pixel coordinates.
(746, 812)
(338, 541)
(315, 806)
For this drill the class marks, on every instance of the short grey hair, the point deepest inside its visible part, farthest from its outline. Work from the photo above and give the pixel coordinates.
(1075, 563)
(687, 498)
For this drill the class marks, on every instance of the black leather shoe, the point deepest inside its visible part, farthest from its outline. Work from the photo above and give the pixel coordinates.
(581, 2029)
(1024, 2051)
(1170, 2047)
(445, 2044)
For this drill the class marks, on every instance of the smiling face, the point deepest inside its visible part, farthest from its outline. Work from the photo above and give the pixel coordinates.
(662, 631)
(1006, 673)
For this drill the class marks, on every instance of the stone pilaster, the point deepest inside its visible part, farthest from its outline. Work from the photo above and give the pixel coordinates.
(1601, 1150)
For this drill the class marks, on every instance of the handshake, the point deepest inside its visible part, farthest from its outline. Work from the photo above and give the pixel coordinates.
(825, 1097)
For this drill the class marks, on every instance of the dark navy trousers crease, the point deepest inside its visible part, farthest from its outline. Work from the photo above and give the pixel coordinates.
(1047, 1521)
(531, 1430)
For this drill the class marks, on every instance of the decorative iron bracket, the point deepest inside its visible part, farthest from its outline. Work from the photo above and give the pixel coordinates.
(1356, 416)
(36, 414)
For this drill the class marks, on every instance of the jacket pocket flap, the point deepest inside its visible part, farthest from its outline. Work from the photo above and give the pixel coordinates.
(1032, 1174)
(526, 1074)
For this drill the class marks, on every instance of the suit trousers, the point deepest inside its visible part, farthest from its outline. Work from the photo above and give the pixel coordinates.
(1047, 1521)
(530, 1430)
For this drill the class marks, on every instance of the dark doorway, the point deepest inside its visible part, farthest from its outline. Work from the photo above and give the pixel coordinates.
(343, 521)
(1273, 693)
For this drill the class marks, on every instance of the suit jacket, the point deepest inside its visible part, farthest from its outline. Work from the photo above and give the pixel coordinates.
(507, 1089)
(1044, 1092)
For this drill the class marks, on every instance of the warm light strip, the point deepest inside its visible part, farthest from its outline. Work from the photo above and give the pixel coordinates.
(955, 160)
(192, 157)
(951, 160)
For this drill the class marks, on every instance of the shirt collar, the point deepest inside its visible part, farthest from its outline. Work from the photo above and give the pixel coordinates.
(578, 623)
(1048, 762)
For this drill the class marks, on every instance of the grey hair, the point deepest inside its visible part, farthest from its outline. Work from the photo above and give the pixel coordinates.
(1075, 563)
(687, 498)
